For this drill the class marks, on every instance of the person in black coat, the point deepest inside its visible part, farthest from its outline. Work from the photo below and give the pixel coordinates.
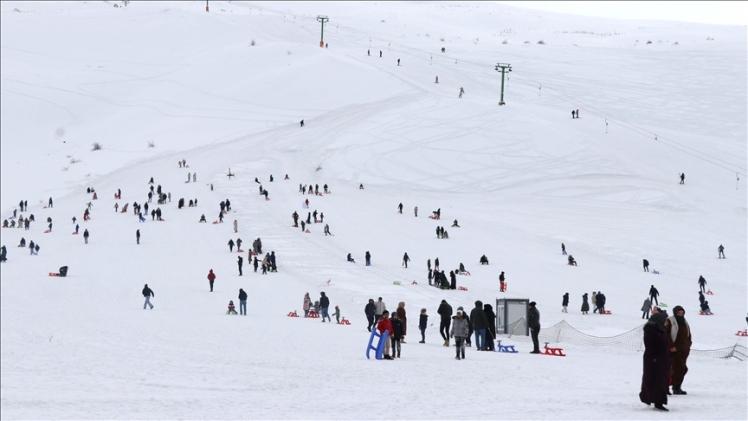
(656, 361)
(491, 319)
(147, 293)
(565, 303)
(653, 294)
(367, 257)
(585, 304)
(397, 334)
(324, 304)
(480, 325)
(370, 310)
(645, 265)
(445, 312)
(242, 302)
(423, 321)
(240, 262)
(600, 302)
(533, 322)
(453, 280)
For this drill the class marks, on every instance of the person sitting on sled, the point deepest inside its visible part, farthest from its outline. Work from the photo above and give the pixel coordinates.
(232, 309)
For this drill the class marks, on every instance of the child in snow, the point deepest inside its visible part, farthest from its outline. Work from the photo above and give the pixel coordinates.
(232, 309)
(422, 323)
(397, 335)
(460, 331)
(337, 314)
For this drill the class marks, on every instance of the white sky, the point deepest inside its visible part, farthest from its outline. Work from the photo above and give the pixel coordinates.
(715, 12)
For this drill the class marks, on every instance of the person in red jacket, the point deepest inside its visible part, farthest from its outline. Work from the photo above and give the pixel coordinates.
(211, 278)
(385, 325)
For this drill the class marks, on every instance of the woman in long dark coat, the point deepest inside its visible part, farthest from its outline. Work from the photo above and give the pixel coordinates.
(491, 317)
(585, 304)
(656, 362)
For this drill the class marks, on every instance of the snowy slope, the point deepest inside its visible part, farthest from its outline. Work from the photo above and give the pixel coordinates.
(520, 179)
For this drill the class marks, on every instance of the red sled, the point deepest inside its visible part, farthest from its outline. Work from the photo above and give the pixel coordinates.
(461, 288)
(709, 292)
(47, 231)
(344, 321)
(742, 333)
(701, 313)
(215, 222)
(606, 312)
(54, 274)
(293, 314)
(313, 314)
(558, 352)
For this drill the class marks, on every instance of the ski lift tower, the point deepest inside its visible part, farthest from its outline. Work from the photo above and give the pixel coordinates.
(504, 68)
(322, 19)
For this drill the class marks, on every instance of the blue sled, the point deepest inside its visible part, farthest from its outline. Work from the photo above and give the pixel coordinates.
(379, 349)
(505, 348)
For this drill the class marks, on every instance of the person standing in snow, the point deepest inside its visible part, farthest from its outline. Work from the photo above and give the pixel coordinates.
(85, 235)
(491, 332)
(397, 335)
(211, 279)
(702, 283)
(336, 313)
(422, 324)
(656, 364)
(565, 303)
(679, 344)
(307, 304)
(384, 325)
(401, 315)
(646, 307)
(415, 211)
(406, 259)
(459, 332)
(367, 257)
(400, 208)
(480, 326)
(585, 304)
(137, 236)
(147, 293)
(370, 310)
(653, 294)
(242, 302)
(445, 313)
(462, 92)
(240, 263)
(721, 252)
(533, 322)
(324, 305)
(379, 308)
(645, 265)
(231, 245)
(563, 249)
(682, 178)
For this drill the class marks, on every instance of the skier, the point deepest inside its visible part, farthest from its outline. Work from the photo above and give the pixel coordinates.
(242, 302)
(702, 283)
(406, 259)
(533, 322)
(721, 252)
(211, 279)
(147, 293)
(367, 257)
(653, 294)
(445, 312)
(137, 236)
(324, 304)
(565, 303)
(240, 262)
(682, 178)
(645, 264)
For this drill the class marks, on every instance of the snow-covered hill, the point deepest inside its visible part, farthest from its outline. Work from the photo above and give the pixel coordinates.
(520, 179)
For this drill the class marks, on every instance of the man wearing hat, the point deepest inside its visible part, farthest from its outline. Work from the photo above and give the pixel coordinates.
(679, 344)
(533, 322)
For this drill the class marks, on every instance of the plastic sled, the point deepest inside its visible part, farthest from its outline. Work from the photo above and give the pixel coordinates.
(742, 333)
(701, 313)
(558, 352)
(505, 348)
(47, 231)
(461, 288)
(313, 314)
(606, 312)
(293, 314)
(345, 321)
(709, 292)
(379, 348)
